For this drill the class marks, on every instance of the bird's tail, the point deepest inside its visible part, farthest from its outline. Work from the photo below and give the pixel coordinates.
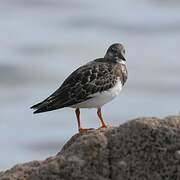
(36, 106)
(45, 106)
(40, 107)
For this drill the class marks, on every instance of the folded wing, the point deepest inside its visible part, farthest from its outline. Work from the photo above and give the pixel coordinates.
(79, 86)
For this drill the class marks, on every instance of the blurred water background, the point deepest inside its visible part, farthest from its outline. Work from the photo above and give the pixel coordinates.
(42, 41)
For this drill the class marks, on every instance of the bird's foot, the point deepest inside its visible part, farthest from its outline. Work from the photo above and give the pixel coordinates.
(84, 130)
(104, 126)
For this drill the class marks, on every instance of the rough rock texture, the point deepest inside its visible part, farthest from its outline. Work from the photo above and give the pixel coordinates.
(141, 149)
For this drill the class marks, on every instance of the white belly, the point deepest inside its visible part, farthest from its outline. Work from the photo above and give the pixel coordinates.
(99, 99)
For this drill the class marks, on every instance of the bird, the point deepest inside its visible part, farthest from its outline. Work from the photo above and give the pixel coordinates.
(90, 86)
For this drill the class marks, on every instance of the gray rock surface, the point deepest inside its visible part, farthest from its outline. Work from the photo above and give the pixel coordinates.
(141, 149)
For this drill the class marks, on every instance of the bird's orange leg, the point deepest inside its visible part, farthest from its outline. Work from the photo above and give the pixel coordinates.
(81, 130)
(78, 118)
(101, 118)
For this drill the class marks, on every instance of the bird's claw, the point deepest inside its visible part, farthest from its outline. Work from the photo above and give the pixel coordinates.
(104, 126)
(84, 130)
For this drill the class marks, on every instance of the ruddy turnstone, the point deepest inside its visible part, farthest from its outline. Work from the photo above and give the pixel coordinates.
(90, 86)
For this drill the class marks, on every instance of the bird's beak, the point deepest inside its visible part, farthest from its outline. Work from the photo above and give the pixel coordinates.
(122, 57)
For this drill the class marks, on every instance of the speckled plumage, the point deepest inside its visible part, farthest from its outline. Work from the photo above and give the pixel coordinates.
(96, 76)
(103, 77)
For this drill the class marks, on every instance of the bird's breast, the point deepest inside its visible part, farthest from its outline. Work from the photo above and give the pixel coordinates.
(100, 98)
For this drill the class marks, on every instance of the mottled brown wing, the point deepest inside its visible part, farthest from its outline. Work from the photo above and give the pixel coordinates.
(79, 86)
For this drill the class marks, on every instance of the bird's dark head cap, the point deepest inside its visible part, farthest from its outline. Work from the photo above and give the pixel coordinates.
(115, 53)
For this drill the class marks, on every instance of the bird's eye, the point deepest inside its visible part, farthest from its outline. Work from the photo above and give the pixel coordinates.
(113, 50)
(123, 51)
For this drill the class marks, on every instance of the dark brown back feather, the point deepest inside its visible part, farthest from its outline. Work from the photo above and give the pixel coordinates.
(96, 76)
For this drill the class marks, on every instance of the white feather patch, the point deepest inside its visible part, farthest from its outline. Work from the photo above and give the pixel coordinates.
(99, 99)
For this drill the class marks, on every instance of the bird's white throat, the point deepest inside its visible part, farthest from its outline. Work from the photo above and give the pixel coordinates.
(123, 62)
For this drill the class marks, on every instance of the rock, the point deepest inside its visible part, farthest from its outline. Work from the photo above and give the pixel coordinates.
(141, 149)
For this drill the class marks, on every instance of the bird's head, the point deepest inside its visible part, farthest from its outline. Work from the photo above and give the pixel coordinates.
(116, 53)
